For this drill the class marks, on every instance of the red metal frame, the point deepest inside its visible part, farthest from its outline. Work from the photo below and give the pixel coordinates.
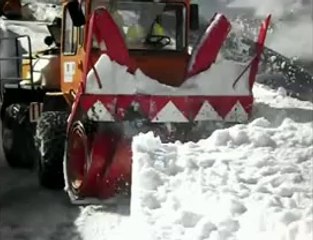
(259, 50)
(210, 44)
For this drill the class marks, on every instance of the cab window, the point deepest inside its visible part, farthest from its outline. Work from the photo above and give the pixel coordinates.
(70, 33)
(82, 28)
(149, 25)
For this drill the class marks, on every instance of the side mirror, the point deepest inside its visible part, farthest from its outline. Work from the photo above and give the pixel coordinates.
(48, 40)
(55, 32)
(76, 13)
(194, 17)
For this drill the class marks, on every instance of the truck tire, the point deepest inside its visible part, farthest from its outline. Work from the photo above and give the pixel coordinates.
(17, 137)
(50, 141)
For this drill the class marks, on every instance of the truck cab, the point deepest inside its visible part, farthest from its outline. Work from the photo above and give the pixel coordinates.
(155, 54)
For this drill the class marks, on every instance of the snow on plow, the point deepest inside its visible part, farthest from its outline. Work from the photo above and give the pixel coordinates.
(117, 100)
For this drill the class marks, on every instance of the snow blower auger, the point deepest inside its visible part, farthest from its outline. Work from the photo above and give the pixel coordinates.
(152, 84)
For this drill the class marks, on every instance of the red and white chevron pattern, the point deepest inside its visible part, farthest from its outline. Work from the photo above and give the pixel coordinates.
(162, 109)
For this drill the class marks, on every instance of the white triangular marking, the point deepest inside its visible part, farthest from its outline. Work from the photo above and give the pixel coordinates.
(98, 112)
(169, 113)
(237, 114)
(207, 112)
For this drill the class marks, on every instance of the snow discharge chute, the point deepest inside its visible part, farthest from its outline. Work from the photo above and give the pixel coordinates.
(207, 49)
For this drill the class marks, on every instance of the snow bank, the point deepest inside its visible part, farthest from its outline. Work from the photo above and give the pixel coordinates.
(246, 182)
(216, 81)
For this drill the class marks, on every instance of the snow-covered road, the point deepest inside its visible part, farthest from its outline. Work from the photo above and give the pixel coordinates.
(29, 212)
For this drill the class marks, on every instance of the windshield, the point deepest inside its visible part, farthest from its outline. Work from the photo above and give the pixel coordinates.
(149, 25)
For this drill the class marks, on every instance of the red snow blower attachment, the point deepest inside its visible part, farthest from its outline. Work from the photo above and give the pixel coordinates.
(149, 84)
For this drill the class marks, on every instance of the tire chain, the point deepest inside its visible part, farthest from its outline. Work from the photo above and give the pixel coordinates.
(52, 124)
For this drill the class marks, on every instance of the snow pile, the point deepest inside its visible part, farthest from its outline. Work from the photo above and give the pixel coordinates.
(247, 182)
(216, 81)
